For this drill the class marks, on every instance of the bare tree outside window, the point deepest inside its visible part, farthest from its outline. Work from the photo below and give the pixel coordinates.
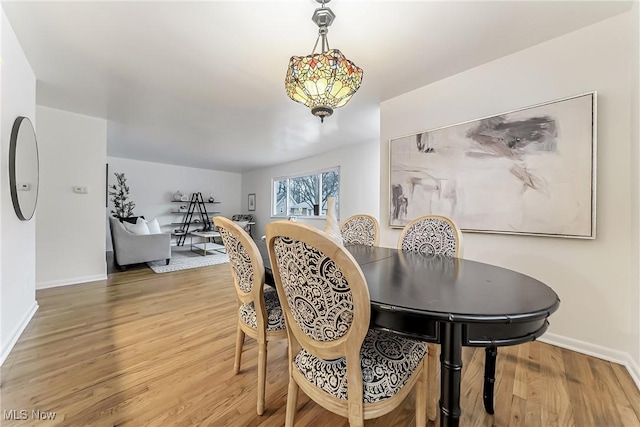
(280, 191)
(305, 195)
(330, 187)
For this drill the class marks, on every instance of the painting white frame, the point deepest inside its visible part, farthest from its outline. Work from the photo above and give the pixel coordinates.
(530, 171)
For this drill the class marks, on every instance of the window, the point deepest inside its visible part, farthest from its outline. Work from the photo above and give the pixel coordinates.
(305, 195)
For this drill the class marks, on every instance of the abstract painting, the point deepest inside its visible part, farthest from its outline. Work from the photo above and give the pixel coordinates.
(529, 171)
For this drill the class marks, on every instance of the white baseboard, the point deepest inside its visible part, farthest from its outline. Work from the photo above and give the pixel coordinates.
(598, 351)
(65, 282)
(19, 330)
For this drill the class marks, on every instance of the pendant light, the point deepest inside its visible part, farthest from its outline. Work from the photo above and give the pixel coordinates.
(326, 80)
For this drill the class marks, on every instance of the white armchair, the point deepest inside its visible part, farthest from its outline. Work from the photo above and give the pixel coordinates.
(244, 221)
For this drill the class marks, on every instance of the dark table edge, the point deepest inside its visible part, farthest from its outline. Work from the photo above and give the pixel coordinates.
(501, 318)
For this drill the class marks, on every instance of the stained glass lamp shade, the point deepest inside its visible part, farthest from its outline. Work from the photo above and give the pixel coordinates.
(322, 81)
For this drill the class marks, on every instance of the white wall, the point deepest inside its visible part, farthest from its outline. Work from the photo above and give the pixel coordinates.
(70, 227)
(596, 280)
(18, 247)
(152, 185)
(359, 178)
(635, 159)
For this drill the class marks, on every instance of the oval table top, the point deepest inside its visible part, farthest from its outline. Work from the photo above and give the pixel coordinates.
(449, 289)
(455, 289)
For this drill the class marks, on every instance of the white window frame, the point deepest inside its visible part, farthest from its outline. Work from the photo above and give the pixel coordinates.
(298, 175)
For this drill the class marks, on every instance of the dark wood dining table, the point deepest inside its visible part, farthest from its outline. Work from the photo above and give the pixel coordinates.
(454, 302)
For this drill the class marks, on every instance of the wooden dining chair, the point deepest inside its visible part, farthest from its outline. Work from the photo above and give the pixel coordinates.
(434, 235)
(360, 229)
(260, 315)
(439, 235)
(333, 356)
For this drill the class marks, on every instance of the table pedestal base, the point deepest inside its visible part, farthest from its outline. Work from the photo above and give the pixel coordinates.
(489, 377)
(450, 373)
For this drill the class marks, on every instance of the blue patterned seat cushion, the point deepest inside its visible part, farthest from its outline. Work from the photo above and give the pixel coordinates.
(388, 361)
(247, 312)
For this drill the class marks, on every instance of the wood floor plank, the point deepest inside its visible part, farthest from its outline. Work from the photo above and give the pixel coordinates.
(533, 415)
(146, 349)
(471, 402)
(607, 412)
(555, 399)
(507, 362)
(520, 381)
(580, 381)
(518, 408)
(627, 386)
(625, 414)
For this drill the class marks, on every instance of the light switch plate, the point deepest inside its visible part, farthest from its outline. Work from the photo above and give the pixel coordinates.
(80, 189)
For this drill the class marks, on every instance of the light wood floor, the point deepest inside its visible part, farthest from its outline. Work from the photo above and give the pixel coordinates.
(157, 350)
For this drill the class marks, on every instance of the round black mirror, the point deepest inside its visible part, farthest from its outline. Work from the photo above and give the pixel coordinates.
(23, 168)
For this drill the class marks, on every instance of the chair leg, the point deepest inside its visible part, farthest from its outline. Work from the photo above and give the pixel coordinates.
(262, 375)
(356, 422)
(421, 395)
(432, 381)
(292, 401)
(355, 413)
(239, 342)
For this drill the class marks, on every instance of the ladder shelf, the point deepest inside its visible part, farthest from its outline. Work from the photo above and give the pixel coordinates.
(198, 203)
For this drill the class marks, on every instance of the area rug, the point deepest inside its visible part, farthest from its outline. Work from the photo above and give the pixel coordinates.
(182, 259)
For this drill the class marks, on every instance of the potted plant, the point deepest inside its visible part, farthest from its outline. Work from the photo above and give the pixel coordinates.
(119, 192)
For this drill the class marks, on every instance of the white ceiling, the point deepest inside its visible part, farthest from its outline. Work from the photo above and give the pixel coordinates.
(202, 83)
